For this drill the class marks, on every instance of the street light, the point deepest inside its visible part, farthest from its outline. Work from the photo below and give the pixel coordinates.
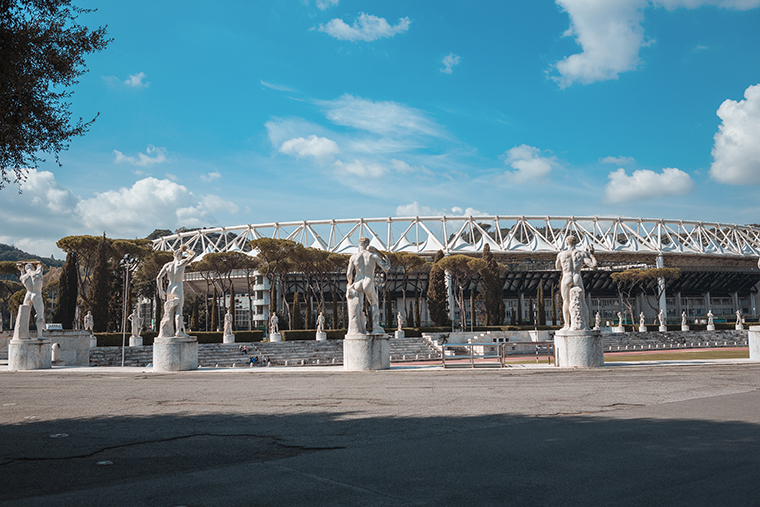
(128, 264)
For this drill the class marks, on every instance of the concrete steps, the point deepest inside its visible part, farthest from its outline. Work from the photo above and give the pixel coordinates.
(295, 353)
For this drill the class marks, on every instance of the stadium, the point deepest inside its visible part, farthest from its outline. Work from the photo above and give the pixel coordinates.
(718, 262)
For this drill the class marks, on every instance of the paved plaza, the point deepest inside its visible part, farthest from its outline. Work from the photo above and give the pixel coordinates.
(665, 434)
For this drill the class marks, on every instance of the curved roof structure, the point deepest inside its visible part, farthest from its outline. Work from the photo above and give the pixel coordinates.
(469, 234)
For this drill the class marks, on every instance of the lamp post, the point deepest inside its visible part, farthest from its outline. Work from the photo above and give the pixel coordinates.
(128, 264)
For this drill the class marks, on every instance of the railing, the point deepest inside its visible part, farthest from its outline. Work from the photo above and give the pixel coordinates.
(469, 234)
(498, 359)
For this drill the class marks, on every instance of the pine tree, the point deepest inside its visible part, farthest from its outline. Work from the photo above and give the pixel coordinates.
(417, 312)
(492, 288)
(437, 295)
(100, 293)
(214, 313)
(65, 311)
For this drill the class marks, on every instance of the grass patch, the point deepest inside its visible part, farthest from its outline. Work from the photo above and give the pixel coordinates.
(680, 356)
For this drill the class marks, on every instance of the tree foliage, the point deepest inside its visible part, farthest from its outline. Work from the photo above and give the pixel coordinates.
(463, 271)
(65, 311)
(631, 281)
(42, 49)
(437, 294)
(493, 288)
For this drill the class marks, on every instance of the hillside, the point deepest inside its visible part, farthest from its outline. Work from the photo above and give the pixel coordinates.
(11, 253)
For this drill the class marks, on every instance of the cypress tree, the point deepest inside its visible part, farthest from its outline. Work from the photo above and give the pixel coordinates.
(554, 305)
(65, 312)
(519, 308)
(513, 318)
(410, 315)
(531, 314)
(232, 305)
(417, 311)
(100, 293)
(214, 313)
(473, 318)
(541, 305)
(297, 311)
(195, 316)
(437, 295)
(308, 312)
(492, 288)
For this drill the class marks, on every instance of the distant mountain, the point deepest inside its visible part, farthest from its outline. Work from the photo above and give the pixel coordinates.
(11, 253)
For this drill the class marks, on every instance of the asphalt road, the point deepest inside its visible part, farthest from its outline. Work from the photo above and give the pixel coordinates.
(665, 435)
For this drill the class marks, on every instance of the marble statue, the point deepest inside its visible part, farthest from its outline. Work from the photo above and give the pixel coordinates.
(89, 322)
(738, 317)
(661, 317)
(361, 277)
(135, 320)
(1, 322)
(571, 261)
(399, 321)
(710, 318)
(576, 309)
(174, 294)
(31, 277)
(355, 314)
(274, 324)
(228, 322)
(598, 321)
(683, 318)
(620, 319)
(321, 323)
(641, 320)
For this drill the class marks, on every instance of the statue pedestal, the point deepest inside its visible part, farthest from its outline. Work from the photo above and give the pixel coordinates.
(175, 354)
(29, 354)
(228, 338)
(740, 327)
(618, 329)
(93, 341)
(321, 336)
(275, 337)
(754, 343)
(662, 329)
(711, 327)
(399, 334)
(135, 341)
(579, 349)
(363, 352)
(642, 329)
(684, 327)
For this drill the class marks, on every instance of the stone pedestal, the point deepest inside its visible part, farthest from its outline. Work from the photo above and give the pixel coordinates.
(228, 338)
(29, 354)
(275, 337)
(363, 352)
(739, 327)
(618, 329)
(754, 343)
(175, 354)
(93, 341)
(642, 329)
(684, 327)
(322, 336)
(135, 341)
(399, 334)
(711, 327)
(662, 329)
(579, 349)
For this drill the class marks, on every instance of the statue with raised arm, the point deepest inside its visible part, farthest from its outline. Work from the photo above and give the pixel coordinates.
(172, 324)
(135, 320)
(31, 278)
(570, 262)
(738, 317)
(361, 278)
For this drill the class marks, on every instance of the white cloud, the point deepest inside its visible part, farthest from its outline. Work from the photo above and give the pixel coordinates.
(360, 168)
(47, 211)
(278, 87)
(208, 178)
(618, 160)
(365, 28)
(449, 61)
(321, 149)
(528, 164)
(323, 5)
(736, 153)
(610, 35)
(151, 156)
(385, 118)
(415, 209)
(645, 184)
(136, 80)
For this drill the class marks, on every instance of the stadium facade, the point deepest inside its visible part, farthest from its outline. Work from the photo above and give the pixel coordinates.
(718, 262)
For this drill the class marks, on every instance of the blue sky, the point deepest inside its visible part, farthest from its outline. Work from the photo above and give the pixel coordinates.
(290, 110)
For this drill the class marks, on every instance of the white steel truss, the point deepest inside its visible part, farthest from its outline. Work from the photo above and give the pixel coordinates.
(469, 234)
